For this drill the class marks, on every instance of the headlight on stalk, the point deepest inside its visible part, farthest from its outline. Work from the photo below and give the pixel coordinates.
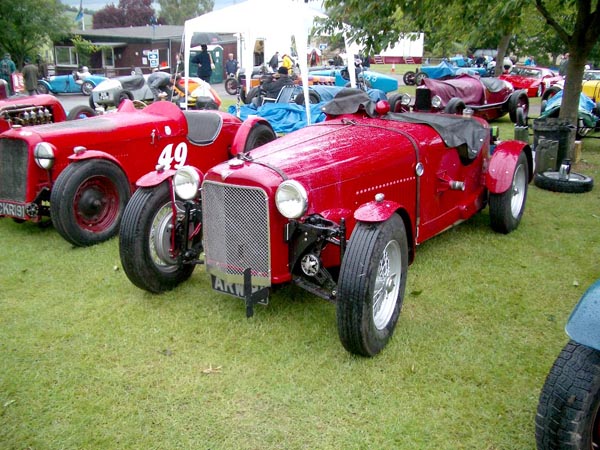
(187, 182)
(44, 155)
(405, 100)
(436, 101)
(291, 199)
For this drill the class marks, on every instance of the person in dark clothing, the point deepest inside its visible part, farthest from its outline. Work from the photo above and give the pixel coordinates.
(231, 65)
(30, 77)
(42, 67)
(160, 82)
(274, 61)
(204, 62)
(272, 88)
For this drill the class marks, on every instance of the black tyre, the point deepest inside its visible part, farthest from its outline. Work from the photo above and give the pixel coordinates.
(568, 408)
(252, 93)
(409, 78)
(145, 241)
(395, 102)
(550, 92)
(259, 135)
(93, 104)
(81, 112)
(124, 95)
(455, 106)
(419, 77)
(231, 86)
(540, 91)
(42, 88)
(506, 209)
(518, 101)
(575, 184)
(87, 87)
(87, 201)
(313, 97)
(371, 285)
(521, 119)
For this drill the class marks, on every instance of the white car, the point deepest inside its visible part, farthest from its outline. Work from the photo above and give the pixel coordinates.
(111, 92)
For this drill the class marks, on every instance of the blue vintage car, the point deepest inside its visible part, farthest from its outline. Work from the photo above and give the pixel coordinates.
(373, 80)
(567, 414)
(443, 70)
(69, 84)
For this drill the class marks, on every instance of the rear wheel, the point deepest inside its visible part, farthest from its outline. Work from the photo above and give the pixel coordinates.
(371, 285)
(409, 78)
(313, 97)
(81, 112)
(124, 95)
(146, 238)
(550, 92)
(231, 86)
(506, 209)
(419, 77)
(568, 409)
(86, 88)
(518, 101)
(87, 201)
(259, 135)
(42, 88)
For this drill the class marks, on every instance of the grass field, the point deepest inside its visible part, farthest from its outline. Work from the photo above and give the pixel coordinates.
(91, 362)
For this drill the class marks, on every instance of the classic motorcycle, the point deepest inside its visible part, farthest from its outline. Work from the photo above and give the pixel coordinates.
(569, 404)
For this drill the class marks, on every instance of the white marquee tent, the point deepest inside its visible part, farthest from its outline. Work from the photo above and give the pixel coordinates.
(274, 21)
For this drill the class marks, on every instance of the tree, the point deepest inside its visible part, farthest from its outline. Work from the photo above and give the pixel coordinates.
(27, 25)
(176, 12)
(129, 13)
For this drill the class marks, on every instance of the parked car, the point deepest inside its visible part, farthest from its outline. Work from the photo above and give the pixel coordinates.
(535, 80)
(338, 208)
(69, 84)
(489, 98)
(82, 175)
(590, 87)
(443, 71)
(588, 114)
(568, 412)
(20, 110)
(370, 78)
(112, 91)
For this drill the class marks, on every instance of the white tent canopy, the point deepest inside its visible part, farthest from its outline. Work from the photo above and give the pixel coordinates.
(274, 21)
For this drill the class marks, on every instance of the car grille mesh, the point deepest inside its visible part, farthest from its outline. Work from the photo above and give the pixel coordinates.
(236, 232)
(423, 99)
(13, 169)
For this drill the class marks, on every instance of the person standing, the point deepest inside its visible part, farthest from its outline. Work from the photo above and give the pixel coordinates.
(231, 65)
(204, 62)
(288, 63)
(42, 67)
(274, 62)
(30, 77)
(7, 68)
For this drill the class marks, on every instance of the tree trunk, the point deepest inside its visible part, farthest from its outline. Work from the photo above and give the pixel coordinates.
(502, 47)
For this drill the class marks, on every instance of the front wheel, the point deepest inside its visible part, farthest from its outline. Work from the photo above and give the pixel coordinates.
(42, 88)
(409, 78)
(419, 77)
(87, 87)
(87, 201)
(146, 239)
(81, 112)
(569, 404)
(455, 106)
(371, 285)
(259, 135)
(506, 209)
(231, 86)
(518, 107)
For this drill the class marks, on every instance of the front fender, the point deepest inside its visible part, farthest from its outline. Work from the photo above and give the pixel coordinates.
(501, 169)
(46, 84)
(241, 136)
(93, 154)
(583, 325)
(376, 211)
(154, 178)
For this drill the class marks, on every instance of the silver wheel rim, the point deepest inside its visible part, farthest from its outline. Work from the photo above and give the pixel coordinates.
(518, 191)
(387, 284)
(159, 240)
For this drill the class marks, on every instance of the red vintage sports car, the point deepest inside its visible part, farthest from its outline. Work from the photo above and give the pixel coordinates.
(535, 80)
(36, 110)
(338, 208)
(81, 173)
(489, 98)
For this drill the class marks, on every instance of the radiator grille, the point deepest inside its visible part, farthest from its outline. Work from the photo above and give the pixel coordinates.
(423, 99)
(13, 169)
(236, 232)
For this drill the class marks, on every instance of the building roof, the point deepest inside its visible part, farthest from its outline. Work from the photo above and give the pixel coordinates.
(133, 34)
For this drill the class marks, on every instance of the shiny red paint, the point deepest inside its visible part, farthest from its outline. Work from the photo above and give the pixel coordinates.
(531, 78)
(13, 109)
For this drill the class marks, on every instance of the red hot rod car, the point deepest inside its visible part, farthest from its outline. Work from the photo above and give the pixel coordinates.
(338, 208)
(82, 173)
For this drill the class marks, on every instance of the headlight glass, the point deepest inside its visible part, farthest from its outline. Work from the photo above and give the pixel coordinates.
(186, 182)
(405, 99)
(436, 101)
(44, 155)
(291, 199)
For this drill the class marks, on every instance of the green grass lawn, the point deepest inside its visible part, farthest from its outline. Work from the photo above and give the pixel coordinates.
(91, 362)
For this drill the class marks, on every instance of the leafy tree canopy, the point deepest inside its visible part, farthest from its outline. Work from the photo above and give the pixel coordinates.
(176, 12)
(27, 25)
(128, 13)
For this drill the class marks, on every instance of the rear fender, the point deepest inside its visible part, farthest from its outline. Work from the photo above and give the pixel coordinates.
(501, 169)
(241, 136)
(583, 325)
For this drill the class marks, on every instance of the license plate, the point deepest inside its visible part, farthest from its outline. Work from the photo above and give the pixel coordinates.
(12, 210)
(235, 289)
(104, 95)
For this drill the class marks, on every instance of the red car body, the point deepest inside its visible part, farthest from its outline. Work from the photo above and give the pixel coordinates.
(338, 208)
(535, 80)
(81, 173)
(30, 110)
(489, 98)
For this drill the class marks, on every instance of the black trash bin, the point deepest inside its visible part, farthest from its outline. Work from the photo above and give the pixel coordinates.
(553, 139)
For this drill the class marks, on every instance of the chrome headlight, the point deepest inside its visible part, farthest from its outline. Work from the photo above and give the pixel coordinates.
(436, 101)
(186, 182)
(291, 199)
(405, 100)
(43, 153)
